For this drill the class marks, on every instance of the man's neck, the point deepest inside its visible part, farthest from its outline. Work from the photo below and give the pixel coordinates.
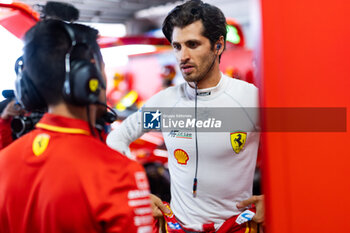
(70, 111)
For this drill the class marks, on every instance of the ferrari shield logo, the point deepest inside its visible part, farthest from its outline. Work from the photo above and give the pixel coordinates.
(238, 141)
(40, 143)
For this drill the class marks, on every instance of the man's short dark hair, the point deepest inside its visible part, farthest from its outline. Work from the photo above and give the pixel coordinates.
(46, 45)
(214, 21)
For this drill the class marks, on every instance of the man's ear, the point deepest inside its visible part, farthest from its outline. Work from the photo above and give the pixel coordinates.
(220, 45)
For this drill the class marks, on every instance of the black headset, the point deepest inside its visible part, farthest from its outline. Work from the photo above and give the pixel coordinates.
(82, 84)
(83, 81)
(25, 91)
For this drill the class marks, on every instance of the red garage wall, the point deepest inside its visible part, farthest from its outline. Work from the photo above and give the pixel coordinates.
(306, 64)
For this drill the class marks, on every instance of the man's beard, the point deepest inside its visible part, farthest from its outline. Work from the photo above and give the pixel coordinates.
(190, 78)
(202, 73)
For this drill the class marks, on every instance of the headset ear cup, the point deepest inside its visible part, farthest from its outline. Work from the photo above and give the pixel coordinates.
(27, 94)
(85, 82)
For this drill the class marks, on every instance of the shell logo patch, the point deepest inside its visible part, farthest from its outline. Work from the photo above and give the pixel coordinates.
(93, 85)
(238, 140)
(40, 143)
(181, 156)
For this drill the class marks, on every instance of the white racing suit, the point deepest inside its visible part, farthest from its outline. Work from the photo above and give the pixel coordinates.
(225, 176)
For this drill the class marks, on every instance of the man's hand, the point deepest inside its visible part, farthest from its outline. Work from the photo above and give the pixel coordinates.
(258, 201)
(11, 109)
(158, 206)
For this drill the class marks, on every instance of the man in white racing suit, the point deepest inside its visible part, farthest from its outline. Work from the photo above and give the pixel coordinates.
(211, 172)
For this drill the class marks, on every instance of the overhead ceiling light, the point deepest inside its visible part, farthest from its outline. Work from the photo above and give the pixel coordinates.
(136, 49)
(131, 49)
(6, 1)
(118, 55)
(157, 11)
(109, 29)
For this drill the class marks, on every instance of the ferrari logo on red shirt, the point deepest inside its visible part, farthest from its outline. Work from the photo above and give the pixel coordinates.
(40, 143)
(238, 140)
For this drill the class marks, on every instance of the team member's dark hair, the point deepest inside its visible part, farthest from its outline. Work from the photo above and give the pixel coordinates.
(213, 20)
(46, 45)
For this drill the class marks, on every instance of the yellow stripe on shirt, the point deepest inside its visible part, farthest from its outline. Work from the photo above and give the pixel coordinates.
(62, 129)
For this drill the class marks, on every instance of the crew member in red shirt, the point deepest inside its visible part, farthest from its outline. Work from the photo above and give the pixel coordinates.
(61, 177)
(8, 111)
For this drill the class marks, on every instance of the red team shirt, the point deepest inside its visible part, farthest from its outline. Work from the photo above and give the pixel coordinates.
(5, 133)
(59, 178)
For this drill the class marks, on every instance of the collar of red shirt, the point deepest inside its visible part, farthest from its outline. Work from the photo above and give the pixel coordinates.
(63, 124)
